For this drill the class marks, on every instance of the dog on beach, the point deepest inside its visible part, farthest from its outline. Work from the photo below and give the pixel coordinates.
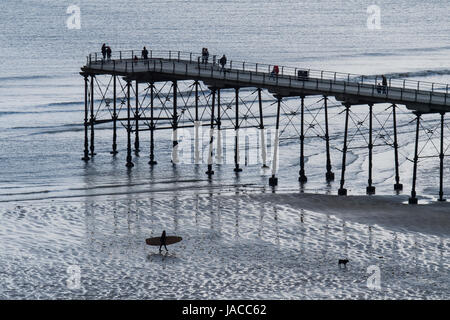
(342, 262)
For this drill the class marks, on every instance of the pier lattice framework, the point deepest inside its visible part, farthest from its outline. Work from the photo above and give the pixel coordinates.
(173, 90)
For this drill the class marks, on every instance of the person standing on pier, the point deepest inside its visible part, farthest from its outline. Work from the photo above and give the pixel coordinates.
(145, 53)
(205, 55)
(223, 62)
(384, 83)
(108, 52)
(274, 72)
(104, 51)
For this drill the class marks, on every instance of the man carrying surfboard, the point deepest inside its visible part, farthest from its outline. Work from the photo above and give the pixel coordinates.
(163, 241)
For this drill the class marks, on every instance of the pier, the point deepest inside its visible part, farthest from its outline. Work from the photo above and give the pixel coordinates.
(129, 79)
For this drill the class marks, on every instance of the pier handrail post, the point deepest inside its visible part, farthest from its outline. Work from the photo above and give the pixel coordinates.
(342, 191)
(413, 198)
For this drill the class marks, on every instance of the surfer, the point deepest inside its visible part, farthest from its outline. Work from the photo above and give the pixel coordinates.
(163, 241)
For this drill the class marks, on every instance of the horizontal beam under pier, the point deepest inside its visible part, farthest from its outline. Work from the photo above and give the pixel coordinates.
(125, 119)
(192, 126)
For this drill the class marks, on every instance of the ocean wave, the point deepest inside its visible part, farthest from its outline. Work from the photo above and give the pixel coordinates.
(31, 77)
(412, 74)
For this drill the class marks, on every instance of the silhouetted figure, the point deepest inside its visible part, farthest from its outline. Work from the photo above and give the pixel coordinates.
(223, 62)
(108, 52)
(135, 59)
(104, 51)
(275, 72)
(205, 55)
(145, 53)
(384, 82)
(163, 241)
(379, 88)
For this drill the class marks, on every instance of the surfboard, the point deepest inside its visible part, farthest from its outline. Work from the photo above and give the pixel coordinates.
(156, 241)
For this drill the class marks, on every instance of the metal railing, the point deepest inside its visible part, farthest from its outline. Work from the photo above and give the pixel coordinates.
(260, 68)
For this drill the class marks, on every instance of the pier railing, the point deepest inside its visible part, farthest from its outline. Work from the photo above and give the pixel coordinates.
(284, 71)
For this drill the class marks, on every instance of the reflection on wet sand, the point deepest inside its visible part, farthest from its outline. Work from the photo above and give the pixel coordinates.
(232, 246)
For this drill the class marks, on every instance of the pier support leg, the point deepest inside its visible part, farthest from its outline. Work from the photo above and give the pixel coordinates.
(273, 181)
(136, 121)
(129, 164)
(219, 133)
(370, 189)
(441, 161)
(175, 159)
(262, 132)
(92, 118)
(329, 176)
(342, 191)
(197, 126)
(236, 138)
(114, 116)
(302, 178)
(211, 136)
(86, 107)
(413, 198)
(152, 126)
(397, 186)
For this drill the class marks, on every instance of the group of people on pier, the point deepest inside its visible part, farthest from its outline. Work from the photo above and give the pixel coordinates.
(106, 52)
